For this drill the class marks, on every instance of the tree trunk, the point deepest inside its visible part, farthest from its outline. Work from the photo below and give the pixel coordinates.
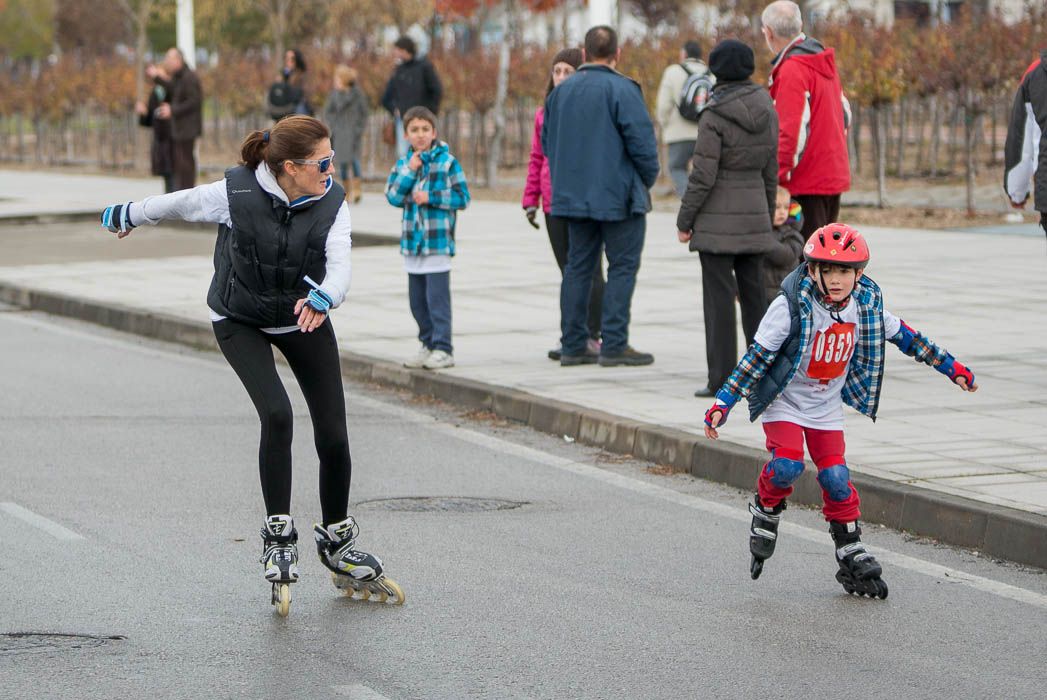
(880, 154)
(970, 120)
(936, 134)
(501, 90)
(921, 142)
(899, 158)
(994, 116)
(955, 124)
(856, 139)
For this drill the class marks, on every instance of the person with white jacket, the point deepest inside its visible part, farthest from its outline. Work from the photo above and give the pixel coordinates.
(679, 134)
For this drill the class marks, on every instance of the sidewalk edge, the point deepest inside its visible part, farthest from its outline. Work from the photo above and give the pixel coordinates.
(1002, 532)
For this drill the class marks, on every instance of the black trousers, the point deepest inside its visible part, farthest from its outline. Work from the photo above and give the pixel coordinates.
(313, 358)
(184, 162)
(719, 273)
(560, 242)
(818, 210)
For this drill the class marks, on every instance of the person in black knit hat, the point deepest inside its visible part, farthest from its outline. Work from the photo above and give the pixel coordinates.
(727, 212)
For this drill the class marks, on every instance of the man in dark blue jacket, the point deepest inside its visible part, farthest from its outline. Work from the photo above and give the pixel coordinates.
(603, 158)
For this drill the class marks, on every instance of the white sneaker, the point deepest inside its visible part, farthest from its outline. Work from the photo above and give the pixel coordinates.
(439, 360)
(419, 360)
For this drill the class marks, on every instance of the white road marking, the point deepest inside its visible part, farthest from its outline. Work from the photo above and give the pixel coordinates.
(904, 561)
(49, 526)
(358, 691)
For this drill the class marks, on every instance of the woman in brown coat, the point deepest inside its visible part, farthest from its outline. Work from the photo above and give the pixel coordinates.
(727, 211)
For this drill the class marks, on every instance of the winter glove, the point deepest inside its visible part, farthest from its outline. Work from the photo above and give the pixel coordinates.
(117, 218)
(531, 213)
(318, 300)
(954, 369)
(723, 404)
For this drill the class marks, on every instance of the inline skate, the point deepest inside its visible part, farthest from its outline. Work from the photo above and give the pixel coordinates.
(353, 572)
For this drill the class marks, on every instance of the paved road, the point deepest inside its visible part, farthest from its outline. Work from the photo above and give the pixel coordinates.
(129, 506)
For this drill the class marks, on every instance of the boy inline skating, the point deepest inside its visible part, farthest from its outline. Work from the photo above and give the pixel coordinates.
(820, 345)
(428, 183)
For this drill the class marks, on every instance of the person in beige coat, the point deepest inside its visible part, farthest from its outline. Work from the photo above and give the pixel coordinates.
(679, 134)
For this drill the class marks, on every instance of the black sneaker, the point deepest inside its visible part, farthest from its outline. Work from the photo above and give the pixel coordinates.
(586, 358)
(705, 393)
(627, 357)
(554, 354)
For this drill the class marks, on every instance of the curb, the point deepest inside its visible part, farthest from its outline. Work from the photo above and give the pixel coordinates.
(1006, 533)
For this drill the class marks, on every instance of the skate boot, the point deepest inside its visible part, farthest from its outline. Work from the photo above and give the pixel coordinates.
(352, 571)
(859, 571)
(763, 533)
(280, 558)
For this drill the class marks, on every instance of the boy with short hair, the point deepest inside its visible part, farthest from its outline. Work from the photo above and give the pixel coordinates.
(787, 250)
(428, 183)
(820, 345)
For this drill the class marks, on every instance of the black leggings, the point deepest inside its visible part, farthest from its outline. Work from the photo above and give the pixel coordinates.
(560, 242)
(313, 358)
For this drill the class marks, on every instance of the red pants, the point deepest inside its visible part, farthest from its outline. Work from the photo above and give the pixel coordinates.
(785, 440)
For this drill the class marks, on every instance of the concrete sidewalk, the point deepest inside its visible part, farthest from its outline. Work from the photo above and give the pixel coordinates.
(978, 295)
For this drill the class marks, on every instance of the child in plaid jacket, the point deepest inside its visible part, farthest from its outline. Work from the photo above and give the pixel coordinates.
(430, 187)
(821, 345)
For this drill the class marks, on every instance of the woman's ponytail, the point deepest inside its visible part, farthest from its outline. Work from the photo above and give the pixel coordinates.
(253, 149)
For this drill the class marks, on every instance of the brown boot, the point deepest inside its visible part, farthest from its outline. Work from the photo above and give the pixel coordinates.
(357, 190)
(347, 185)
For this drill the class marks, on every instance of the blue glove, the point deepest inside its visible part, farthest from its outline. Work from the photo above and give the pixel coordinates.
(319, 301)
(117, 218)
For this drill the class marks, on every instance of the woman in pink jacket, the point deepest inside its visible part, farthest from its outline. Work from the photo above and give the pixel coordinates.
(538, 190)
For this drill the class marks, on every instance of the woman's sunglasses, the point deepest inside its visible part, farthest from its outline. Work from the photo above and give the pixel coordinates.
(323, 165)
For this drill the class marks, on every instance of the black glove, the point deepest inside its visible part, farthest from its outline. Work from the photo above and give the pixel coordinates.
(531, 213)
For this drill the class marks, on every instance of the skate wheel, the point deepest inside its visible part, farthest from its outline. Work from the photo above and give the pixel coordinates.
(282, 598)
(382, 596)
(756, 568)
(394, 590)
(881, 593)
(365, 594)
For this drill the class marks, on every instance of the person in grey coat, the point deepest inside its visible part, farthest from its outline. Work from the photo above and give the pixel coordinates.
(727, 212)
(345, 113)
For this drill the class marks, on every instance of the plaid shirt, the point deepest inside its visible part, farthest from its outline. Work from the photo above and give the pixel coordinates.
(861, 390)
(428, 229)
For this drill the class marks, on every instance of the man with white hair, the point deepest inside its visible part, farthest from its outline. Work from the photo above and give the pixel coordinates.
(813, 116)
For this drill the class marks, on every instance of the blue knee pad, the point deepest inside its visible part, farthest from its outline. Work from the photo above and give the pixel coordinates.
(836, 481)
(784, 471)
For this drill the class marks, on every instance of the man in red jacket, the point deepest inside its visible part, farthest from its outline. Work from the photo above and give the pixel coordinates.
(813, 116)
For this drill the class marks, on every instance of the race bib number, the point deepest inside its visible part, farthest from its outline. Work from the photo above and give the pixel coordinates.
(831, 351)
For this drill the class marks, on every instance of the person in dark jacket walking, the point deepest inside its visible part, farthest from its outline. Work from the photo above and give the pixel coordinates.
(1025, 152)
(345, 112)
(184, 107)
(813, 116)
(727, 212)
(414, 83)
(161, 157)
(281, 265)
(603, 160)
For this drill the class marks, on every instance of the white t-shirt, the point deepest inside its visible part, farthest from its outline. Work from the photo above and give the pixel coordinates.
(812, 397)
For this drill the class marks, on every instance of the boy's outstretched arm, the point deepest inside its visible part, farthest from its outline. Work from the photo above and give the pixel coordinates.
(456, 194)
(743, 378)
(400, 183)
(923, 349)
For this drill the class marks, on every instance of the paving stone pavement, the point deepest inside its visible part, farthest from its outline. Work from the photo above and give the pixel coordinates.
(979, 295)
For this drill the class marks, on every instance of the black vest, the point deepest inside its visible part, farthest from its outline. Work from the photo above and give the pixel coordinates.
(260, 262)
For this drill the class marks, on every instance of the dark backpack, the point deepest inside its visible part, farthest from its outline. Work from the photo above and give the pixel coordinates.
(694, 95)
(283, 99)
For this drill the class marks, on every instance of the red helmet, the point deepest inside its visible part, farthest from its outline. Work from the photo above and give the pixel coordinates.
(838, 244)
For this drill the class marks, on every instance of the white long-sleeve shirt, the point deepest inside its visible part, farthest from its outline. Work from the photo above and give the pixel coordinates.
(210, 203)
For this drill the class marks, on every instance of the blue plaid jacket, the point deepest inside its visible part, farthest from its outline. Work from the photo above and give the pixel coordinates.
(428, 229)
(861, 390)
